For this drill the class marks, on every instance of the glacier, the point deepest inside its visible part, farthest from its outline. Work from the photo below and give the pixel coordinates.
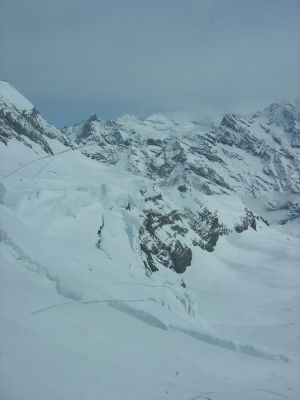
(148, 258)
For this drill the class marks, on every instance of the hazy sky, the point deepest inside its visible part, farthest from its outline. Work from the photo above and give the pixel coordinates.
(75, 57)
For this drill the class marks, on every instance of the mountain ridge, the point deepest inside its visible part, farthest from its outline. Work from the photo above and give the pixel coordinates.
(202, 153)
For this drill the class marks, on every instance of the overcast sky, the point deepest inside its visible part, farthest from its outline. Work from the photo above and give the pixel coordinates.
(75, 57)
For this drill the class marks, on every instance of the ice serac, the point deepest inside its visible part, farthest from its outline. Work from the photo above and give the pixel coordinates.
(103, 136)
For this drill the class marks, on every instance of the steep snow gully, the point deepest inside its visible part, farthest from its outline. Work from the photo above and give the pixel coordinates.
(149, 258)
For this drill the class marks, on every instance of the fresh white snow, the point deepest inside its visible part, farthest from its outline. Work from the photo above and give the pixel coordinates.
(80, 321)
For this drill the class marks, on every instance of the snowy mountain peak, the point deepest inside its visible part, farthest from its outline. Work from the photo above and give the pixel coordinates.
(234, 122)
(280, 111)
(93, 117)
(10, 96)
(284, 115)
(20, 120)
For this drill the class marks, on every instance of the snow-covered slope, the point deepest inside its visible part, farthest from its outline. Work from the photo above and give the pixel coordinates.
(119, 284)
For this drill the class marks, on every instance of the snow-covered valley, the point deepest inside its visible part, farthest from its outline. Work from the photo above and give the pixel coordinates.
(168, 270)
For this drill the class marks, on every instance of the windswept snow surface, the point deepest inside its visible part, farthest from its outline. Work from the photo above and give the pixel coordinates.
(81, 320)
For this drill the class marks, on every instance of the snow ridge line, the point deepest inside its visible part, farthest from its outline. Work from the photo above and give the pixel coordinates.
(228, 344)
(68, 303)
(42, 158)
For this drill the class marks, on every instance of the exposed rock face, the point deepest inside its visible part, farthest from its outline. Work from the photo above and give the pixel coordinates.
(161, 235)
(249, 221)
(167, 235)
(207, 226)
(181, 256)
